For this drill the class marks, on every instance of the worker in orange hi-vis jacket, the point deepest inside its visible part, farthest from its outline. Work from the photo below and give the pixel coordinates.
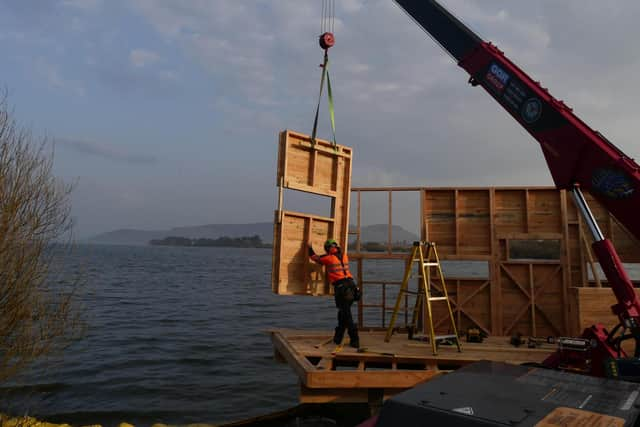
(345, 289)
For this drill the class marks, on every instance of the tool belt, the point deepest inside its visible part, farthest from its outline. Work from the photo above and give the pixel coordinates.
(346, 290)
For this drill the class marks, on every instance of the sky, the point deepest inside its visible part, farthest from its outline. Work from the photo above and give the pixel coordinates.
(166, 113)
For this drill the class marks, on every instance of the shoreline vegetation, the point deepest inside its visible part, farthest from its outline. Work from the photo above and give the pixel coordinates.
(221, 242)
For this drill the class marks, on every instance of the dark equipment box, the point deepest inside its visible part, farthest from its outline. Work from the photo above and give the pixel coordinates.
(499, 394)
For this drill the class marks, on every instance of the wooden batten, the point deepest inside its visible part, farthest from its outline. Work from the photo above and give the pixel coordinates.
(317, 168)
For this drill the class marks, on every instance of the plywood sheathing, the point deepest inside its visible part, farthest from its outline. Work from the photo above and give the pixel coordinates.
(478, 224)
(322, 169)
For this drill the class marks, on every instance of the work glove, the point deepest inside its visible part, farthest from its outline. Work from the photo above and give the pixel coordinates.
(311, 251)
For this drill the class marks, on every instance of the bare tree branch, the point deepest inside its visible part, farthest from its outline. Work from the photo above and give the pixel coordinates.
(37, 314)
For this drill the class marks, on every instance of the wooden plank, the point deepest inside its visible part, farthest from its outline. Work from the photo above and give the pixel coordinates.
(368, 379)
(473, 222)
(328, 395)
(299, 363)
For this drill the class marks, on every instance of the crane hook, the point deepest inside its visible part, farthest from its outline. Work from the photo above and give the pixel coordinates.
(327, 40)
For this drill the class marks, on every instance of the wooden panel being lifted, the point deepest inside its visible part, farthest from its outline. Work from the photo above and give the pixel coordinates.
(322, 169)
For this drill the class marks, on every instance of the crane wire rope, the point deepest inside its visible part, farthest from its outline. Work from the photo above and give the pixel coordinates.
(327, 40)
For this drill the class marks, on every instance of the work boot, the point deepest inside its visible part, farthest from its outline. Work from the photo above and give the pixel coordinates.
(355, 344)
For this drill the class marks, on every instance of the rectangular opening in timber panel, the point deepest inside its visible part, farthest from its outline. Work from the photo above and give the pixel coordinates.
(534, 249)
(308, 203)
(385, 223)
(406, 219)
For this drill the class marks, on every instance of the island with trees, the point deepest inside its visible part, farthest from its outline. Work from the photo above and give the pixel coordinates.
(225, 242)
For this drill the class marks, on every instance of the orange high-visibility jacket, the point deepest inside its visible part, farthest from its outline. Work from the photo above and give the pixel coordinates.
(335, 271)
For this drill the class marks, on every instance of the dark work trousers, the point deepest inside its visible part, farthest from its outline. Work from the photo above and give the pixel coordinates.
(345, 320)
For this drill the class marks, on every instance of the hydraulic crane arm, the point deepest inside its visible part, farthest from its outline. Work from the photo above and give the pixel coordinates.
(577, 156)
(574, 152)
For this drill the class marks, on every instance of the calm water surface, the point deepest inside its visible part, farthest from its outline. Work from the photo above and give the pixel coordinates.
(175, 335)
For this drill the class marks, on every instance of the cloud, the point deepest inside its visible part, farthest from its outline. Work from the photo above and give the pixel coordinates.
(104, 151)
(141, 58)
(54, 78)
(84, 5)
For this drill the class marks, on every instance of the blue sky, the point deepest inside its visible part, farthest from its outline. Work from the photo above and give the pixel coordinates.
(166, 113)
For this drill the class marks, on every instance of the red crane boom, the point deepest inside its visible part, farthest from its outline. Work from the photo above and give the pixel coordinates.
(577, 156)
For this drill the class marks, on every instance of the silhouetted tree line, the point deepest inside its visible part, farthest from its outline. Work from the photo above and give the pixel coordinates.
(230, 242)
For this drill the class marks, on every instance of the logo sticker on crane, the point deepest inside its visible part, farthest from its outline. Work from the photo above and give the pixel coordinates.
(497, 76)
(531, 110)
(612, 183)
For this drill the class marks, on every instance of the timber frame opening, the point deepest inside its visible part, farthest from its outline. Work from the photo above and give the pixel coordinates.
(531, 296)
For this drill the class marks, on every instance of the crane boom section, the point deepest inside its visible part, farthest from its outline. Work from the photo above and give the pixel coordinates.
(575, 153)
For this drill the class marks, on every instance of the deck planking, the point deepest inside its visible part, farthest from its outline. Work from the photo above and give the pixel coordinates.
(381, 369)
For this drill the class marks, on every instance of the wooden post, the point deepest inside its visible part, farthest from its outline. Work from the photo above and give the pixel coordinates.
(389, 250)
(456, 222)
(532, 290)
(527, 209)
(358, 224)
(494, 270)
(362, 293)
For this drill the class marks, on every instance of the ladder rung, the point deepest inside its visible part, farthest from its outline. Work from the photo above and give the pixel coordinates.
(431, 264)
(437, 298)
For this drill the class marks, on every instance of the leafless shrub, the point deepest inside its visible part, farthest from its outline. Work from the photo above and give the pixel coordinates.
(37, 313)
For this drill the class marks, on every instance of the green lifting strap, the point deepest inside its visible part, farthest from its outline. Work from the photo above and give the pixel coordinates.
(331, 109)
(325, 73)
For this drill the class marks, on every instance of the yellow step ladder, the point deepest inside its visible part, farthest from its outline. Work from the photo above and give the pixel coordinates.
(426, 255)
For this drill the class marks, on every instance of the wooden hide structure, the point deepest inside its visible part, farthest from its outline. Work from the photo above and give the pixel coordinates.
(519, 294)
(322, 169)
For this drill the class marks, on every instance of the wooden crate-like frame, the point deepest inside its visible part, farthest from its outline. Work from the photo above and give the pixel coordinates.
(317, 168)
(477, 224)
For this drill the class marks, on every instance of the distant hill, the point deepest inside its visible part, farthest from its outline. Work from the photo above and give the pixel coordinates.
(370, 233)
(209, 231)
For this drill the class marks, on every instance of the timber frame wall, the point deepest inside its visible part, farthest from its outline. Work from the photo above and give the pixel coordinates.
(318, 168)
(528, 296)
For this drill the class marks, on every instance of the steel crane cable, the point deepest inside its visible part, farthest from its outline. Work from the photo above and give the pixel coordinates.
(327, 24)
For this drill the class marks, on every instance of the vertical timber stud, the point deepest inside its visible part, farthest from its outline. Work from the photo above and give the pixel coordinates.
(565, 259)
(389, 237)
(307, 265)
(527, 209)
(494, 269)
(362, 292)
(422, 217)
(312, 166)
(456, 214)
(358, 223)
(532, 290)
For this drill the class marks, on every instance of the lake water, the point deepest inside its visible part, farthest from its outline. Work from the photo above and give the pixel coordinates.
(174, 335)
(177, 335)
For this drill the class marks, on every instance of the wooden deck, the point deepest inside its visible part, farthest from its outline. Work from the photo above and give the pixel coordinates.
(379, 370)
